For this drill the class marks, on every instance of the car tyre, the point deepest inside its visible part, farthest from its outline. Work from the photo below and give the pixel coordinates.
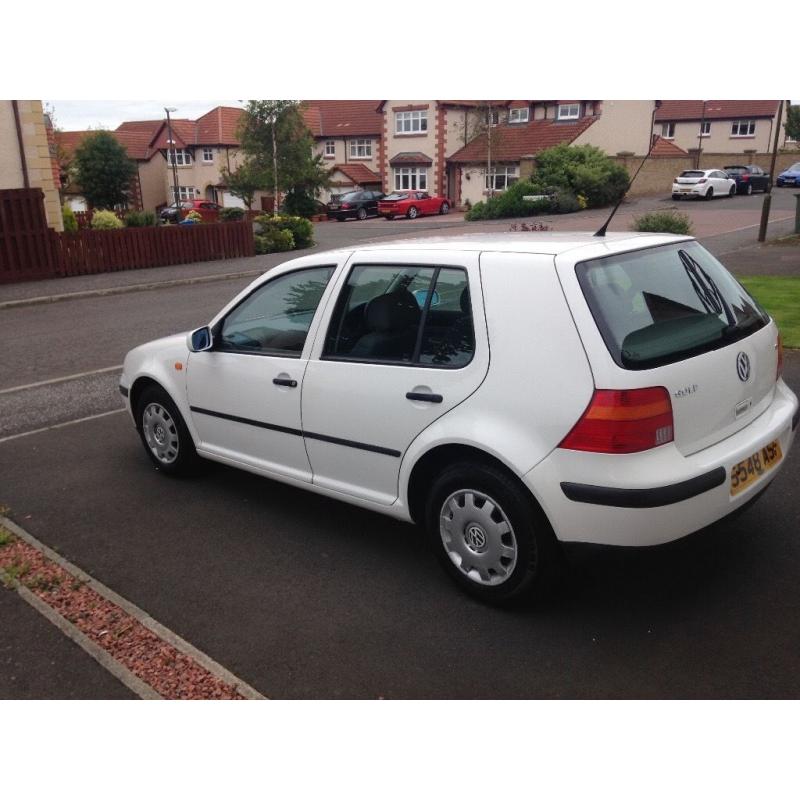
(749, 190)
(445, 208)
(676, 197)
(732, 192)
(164, 434)
(412, 212)
(341, 218)
(489, 536)
(389, 217)
(361, 213)
(709, 195)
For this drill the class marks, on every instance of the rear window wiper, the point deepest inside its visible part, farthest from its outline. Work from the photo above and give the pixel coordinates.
(706, 290)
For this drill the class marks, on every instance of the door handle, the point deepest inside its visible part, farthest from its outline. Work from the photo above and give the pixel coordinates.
(285, 382)
(424, 397)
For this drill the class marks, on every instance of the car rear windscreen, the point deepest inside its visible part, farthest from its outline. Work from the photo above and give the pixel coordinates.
(667, 303)
(692, 173)
(736, 170)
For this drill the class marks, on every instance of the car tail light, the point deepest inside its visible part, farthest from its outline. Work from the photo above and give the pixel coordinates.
(702, 180)
(745, 177)
(345, 205)
(779, 346)
(623, 421)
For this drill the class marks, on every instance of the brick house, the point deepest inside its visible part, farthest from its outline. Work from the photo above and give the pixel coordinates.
(721, 126)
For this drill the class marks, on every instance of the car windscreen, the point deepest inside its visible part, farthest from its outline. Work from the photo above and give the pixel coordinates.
(350, 197)
(794, 167)
(692, 173)
(736, 170)
(667, 303)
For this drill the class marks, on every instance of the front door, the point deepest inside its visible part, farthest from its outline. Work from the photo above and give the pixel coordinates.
(244, 393)
(401, 349)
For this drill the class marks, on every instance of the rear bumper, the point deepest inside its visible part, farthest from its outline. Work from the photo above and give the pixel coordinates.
(660, 495)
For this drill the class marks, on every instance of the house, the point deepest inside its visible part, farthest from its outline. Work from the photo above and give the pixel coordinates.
(443, 145)
(28, 154)
(146, 191)
(721, 126)
(347, 134)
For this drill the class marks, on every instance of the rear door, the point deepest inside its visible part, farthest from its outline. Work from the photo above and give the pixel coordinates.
(672, 316)
(404, 344)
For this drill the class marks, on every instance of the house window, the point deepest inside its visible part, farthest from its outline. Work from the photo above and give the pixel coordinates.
(668, 130)
(519, 115)
(184, 193)
(743, 127)
(406, 122)
(569, 111)
(705, 128)
(330, 148)
(501, 177)
(492, 117)
(182, 158)
(361, 148)
(410, 178)
(208, 155)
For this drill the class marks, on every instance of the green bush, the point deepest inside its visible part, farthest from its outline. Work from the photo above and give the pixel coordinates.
(302, 230)
(274, 241)
(70, 223)
(299, 203)
(140, 219)
(510, 203)
(584, 170)
(565, 202)
(663, 222)
(231, 214)
(105, 221)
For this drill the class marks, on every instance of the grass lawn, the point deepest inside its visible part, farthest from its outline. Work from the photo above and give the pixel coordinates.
(781, 298)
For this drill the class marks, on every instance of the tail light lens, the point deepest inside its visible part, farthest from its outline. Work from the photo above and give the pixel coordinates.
(779, 346)
(702, 180)
(623, 421)
(345, 205)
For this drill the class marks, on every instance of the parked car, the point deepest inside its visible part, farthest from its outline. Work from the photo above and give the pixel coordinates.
(789, 177)
(633, 394)
(749, 179)
(705, 183)
(412, 204)
(205, 208)
(356, 205)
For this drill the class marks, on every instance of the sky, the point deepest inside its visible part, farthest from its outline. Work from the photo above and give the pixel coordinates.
(79, 115)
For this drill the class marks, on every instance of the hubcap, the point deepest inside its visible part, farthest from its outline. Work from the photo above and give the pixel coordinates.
(478, 537)
(160, 433)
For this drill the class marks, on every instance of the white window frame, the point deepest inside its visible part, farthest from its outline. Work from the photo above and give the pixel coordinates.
(184, 193)
(410, 123)
(501, 177)
(330, 148)
(565, 111)
(705, 124)
(518, 115)
(208, 155)
(492, 118)
(183, 157)
(667, 130)
(361, 148)
(415, 178)
(736, 128)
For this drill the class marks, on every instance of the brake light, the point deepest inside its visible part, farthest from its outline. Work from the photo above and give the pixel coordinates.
(702, 180)
(779, 345)
(345, 205)
(623, 421)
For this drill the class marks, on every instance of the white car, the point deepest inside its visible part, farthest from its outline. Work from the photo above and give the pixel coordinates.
(705, 183)
(505, 392)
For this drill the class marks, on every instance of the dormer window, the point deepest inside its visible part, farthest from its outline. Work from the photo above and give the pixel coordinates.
(519, 114)
(569, 111)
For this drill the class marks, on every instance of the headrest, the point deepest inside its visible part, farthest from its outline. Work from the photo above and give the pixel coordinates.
(466, 305)
(393, 311)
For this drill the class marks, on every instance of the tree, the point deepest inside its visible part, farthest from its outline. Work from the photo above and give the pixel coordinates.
(792, 124)
(245, 181)
(103, 170)
(275, 137)
(482, 116)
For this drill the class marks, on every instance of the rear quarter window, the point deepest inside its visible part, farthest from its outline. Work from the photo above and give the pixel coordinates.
(664, 304)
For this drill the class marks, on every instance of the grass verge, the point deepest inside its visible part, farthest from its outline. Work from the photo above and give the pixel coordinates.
(781, 298)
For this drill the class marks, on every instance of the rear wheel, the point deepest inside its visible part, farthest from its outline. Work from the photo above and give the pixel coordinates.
(710, 193)
(749, 190)
(412, 212)
(361, 213)
(488, 536)
(390, 216)
(164, 434)
(445, 208)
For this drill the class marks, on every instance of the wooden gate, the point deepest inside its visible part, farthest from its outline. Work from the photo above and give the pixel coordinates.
(26, 252)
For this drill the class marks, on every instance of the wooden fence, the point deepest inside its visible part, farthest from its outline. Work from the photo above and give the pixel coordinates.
(29, 250)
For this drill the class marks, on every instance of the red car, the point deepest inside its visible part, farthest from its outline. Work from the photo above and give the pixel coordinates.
(205, 208)
(412, 204)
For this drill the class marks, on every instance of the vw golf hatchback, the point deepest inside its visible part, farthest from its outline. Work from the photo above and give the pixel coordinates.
(507, 393)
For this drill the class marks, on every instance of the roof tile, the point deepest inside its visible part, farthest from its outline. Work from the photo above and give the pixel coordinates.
(676, 110)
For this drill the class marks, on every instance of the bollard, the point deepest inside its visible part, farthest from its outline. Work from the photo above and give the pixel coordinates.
(797, 214)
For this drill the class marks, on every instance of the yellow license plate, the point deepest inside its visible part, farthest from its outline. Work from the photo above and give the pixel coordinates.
(751, 469)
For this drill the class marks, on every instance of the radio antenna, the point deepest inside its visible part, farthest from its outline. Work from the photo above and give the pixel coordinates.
(604, 228)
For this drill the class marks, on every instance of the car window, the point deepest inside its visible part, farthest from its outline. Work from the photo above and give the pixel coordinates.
(381, 309)
(692, 173)
(667, 303)
(275, 318)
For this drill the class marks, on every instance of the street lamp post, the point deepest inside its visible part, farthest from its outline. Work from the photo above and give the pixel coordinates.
(175, 193)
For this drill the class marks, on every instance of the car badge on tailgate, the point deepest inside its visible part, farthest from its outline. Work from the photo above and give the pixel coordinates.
(743, 367)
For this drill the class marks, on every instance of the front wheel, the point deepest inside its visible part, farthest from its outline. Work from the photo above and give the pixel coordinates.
(164, 434)
(488, 536)
(412, 212)
(445, 208)
(732, 192)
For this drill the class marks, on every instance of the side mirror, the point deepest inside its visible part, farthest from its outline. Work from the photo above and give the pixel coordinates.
(200, 340)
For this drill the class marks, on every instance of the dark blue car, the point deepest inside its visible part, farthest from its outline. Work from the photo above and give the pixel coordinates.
(789, 177)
